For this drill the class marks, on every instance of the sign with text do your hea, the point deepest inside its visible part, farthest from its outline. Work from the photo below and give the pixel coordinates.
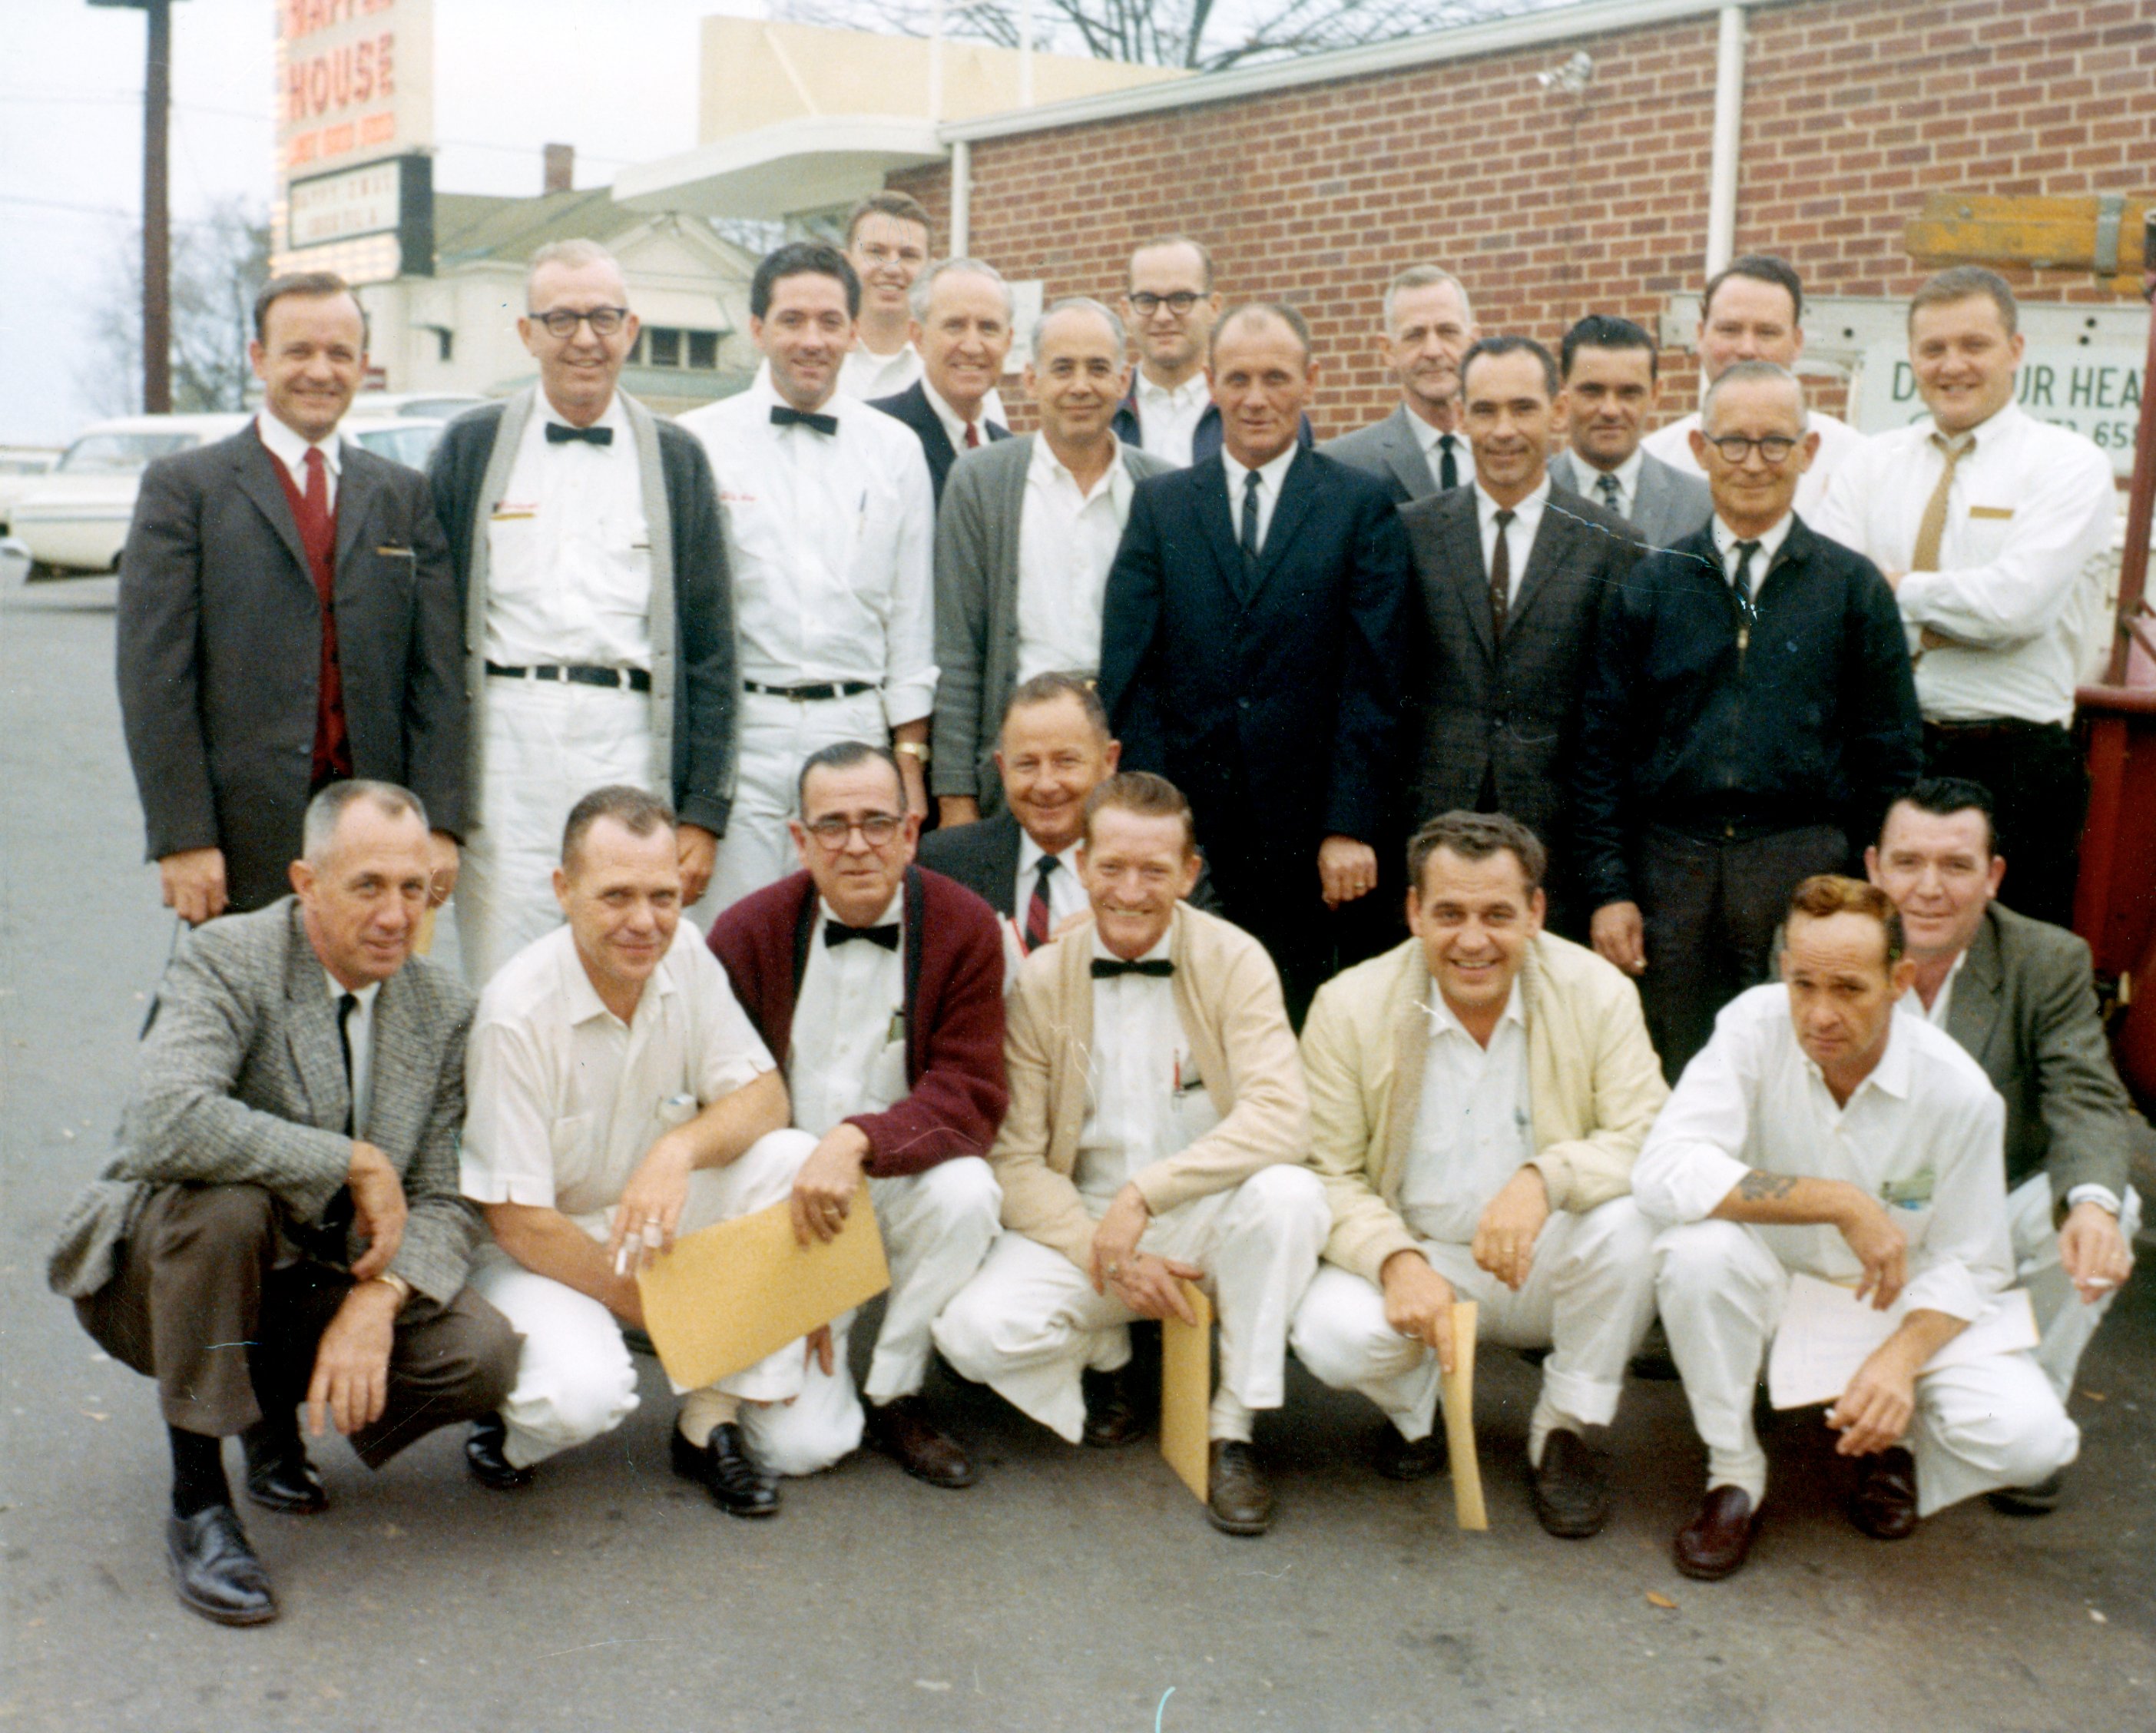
(2094, 389)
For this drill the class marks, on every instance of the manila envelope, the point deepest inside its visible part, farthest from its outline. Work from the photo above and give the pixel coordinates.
(1186, 1392)
(729, 1294)
(1456, 1389)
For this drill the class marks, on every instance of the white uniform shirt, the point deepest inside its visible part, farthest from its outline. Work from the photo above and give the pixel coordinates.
(2030, 507)
(1474, 1125)
(1167, 419)
(1839, 442)
(569, 552)
(1924, 1134)
(1144, 1099)
(848, 1039)
(290, 450)
(1272, 475)
(865, 375)
(1519, 533)
(829, 537)
(566, 1100)
(359, 1037)
(1067, 538)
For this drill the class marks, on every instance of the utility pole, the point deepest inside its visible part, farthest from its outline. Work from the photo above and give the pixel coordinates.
(157, 211)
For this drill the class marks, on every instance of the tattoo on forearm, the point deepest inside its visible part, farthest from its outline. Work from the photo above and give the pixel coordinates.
(1758, 1187)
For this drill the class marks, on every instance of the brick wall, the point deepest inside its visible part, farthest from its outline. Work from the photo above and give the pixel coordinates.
(1549, 205)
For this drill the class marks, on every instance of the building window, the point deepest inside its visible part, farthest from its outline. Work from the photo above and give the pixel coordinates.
(704, 350)
(670, 345)
(666, 347)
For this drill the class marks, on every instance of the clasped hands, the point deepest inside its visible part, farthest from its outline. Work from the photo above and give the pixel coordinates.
(1150, 1285)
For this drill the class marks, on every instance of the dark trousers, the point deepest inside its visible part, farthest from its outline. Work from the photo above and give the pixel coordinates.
(2039, 784)
(198, 1303)
(1711, 906)
(1276, 895)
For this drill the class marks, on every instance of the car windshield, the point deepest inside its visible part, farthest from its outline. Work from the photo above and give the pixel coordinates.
(409, 446)
(117, 453)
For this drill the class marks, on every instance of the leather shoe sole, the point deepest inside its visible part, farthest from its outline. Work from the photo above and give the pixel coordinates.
(215, 1571)
(903, 1432)
(724, 1468)
(2040, 1500)
(483, 1455)
(1238, 1501)
(1572, 1493)
(1718, 1539)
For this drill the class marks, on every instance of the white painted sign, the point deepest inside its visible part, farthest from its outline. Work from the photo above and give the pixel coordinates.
(345, 205)
(355, 80)
(2094, 389)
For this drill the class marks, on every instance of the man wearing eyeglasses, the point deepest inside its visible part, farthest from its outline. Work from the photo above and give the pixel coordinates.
(598, 612)
(1748, 712)
(878, 988)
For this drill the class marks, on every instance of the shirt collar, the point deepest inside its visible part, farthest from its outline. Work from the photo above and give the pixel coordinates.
(1432, 437)
(610, 417)
(365, 995)
(1030, 854)
(583, 999)
(291, 451)
(1894, 1073)
(1487, 508)
(1627, 474)
(1272, 473)
(893, 911)
(1045, 467)
(1770, 543)
(1161, 950)
(1997, 425)
(954, 424)
(1180, 397)
(765, 392)
(1444, 1020)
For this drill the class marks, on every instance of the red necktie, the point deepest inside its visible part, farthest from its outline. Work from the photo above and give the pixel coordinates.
(1036, 908)
(972, 435)
(316, 523)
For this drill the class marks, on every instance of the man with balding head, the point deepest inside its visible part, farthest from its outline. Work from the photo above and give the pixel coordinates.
(1252, 642)
(1419, 449)
(961, 326)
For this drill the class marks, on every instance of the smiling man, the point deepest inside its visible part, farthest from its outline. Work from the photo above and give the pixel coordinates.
(961, 326)
(1418, 449)
(889, 240)
(1818, 1132)
(1611, 376)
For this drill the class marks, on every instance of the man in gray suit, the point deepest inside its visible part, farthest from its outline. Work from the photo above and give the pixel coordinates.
(1027, 531)
(1418, 449)
(1611, 375)
(282, 1219)
(1511, 573)
(2019, 996)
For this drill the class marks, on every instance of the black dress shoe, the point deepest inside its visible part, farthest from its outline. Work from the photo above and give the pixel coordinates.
(1715, 1542)
(215, 1570)
(1885, 1506)
(1238, 1500)
(279, 1477)
(483, 1455)
(2040, 1500)
(1396, 1459)
(725, 1469)
(1112, 1419)
(904, 1433)
(1572, 1493)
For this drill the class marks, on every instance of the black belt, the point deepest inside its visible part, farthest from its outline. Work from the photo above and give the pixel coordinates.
(1997, 728)
(827, 689)
(635, 679)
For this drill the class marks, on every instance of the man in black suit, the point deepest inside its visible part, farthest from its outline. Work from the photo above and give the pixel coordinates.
(288, 618)
(1512, 573)
(1255, 628)
(961, 326)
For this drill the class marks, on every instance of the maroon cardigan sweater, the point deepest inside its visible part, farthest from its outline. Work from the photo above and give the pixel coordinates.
(954, 1009)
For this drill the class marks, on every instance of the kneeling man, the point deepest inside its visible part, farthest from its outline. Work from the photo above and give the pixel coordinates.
(620, 1098)
(1478, 1094)
(1157, 1132)
(1818, 1131)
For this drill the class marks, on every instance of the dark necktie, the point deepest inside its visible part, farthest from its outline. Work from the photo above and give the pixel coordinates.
(1036, 908)
(1606, 485)
(1250, 484)
(1105, 967)
(1501, 577)
(1448, 466)
(837, 932)
(783, 415)
(347, 1003)
(1742, 583)
(560, 433)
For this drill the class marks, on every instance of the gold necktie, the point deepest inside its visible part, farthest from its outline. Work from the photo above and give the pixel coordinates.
(1931, 528)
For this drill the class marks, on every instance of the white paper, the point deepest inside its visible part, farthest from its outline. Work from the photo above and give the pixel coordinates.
(1827, 1333)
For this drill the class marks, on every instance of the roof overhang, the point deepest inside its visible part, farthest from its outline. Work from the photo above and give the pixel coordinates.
(810, 163)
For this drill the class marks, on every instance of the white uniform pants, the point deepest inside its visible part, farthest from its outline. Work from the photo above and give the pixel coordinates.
(2065, 1326)
(1993, 1423)
(1030, 1323)
(936, 1225)
(776, 734)
(548, 744)
(1588, 1298)
(575, 1378)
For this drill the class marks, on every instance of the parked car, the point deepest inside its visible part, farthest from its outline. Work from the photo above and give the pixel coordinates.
(405, 438)
(441, 405)
(72, 521)
(20, 467)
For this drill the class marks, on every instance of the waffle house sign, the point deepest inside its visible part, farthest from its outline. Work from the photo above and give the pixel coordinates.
(354, 81)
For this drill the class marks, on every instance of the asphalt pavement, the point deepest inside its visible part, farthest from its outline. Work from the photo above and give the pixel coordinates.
(1068, 1590)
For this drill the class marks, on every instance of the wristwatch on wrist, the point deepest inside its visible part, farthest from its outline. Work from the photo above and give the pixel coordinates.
(398, 1285)
(915, 749)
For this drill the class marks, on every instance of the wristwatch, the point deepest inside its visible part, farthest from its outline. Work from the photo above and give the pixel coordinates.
(915, 749)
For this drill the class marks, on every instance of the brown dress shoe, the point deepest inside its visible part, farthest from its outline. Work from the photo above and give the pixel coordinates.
(1714, 1543)
(1396, 1459)
(903, 1432)
(1572, 1493)
(1112, 1419)
(1238, 1502)
(1885, 1506)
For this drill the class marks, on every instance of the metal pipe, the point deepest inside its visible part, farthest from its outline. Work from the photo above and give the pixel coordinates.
(961, 197)
(1728, 140)
(2141, 490)
(156, 215)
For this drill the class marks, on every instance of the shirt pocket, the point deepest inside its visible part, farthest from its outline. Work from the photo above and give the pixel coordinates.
(624, 594)
(886, 1077)
(1982, 534)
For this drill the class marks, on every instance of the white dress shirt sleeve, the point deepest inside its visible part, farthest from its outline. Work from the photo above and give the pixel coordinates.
(1691, 1159)
(508, 1152)
(909, 690)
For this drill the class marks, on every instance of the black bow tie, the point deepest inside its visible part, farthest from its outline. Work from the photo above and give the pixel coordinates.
(560, 433)
(837, 932)
(782, 416)
(1158, 967)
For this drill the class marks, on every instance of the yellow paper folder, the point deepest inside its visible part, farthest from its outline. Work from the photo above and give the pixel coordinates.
(1186, 1391)
(1456, 1391)
(727, 1295)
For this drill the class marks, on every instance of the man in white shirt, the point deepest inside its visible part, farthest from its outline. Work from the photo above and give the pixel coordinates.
(619, 1098)
(1478, 1093)
(1818, 1132)
(1612, 373)
(888, 239)
(1172, 304)
(1988, 524)
(963, 311)
(828, 517)
(1419, 449)
(1754, 309)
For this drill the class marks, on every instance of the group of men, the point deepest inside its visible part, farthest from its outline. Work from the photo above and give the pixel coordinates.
(1205, 709)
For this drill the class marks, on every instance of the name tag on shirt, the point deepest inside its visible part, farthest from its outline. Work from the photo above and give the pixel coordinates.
(1991, 511)
(507, 513)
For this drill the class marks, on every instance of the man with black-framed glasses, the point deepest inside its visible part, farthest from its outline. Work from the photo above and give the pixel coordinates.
(1748, 714)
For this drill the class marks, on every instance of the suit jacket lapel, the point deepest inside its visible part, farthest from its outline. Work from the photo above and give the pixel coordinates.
(310, 1032)
(1406, 458)
(1553, 538)
(257, 473)
(1001, 849)
(400, 1097)
(1410, 1052)
(356, 492)
(1973, 1012)
(1463, 532)
(1298, 493)
(1210, 478)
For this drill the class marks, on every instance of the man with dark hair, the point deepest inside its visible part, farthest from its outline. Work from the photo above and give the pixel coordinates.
(599, 624)
(1477, 1095)
(1156, 1133)
(1255, 626)
(828, 523)
(288, 617)
(962, 314)
(281, 1222)
(879, 988)
(1418, 449)
(889, 241)
(1611, 376)
(1820, 1134)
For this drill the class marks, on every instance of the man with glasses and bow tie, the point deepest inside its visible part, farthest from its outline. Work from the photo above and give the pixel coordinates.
(878, 988)
(1749, 716)
(830, 528)
(598, 623)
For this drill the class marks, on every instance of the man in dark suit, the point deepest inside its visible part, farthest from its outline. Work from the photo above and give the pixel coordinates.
(1254, 632)
(287, 618)
(961, 326)
(1420, 449)
(1514, 570)
(1611, 374)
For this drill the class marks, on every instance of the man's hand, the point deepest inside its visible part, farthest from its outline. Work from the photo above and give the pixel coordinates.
(694, 850)
(2093, 1251)
(193, 881)
(377, 1209)
(651, 1205)
(956, 809)
(1893, 579)
(441, 868)
(1418, 1303)
(823, 1189)
(1619, 935)
(1880, 1247)
(1873, 1413)
(1152, 1287)
(1505, 1237)
(1116, 1237)
(1346, 869)
(817, 1349)
(351, 1384)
